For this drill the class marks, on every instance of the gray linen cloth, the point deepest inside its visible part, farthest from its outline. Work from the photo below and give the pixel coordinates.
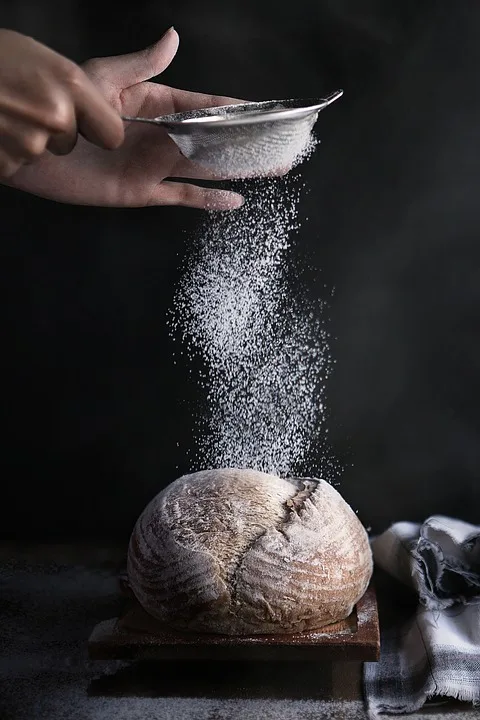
(433, 649)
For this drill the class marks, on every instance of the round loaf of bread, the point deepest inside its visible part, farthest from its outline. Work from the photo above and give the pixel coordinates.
(240, 552)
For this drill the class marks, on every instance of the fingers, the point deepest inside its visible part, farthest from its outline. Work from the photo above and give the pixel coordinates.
(62, 144)
(96, 125)
(20, 143)
(97, 120)
(193, 196)
(184, 101)
(45, 90)
(63, 126)
(8, 164)
(127, 70)
(70, 104)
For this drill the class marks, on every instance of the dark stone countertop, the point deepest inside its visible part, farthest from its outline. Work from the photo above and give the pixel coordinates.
(50, 600)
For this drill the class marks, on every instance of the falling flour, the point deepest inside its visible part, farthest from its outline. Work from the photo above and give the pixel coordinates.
(241, 309)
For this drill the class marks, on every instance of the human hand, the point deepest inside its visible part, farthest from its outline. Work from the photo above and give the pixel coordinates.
(44, 100)
(135, 174)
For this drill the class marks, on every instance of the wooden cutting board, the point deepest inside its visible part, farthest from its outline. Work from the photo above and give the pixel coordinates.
(135, 635)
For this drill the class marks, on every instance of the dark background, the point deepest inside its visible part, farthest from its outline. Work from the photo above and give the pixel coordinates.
(92, 405)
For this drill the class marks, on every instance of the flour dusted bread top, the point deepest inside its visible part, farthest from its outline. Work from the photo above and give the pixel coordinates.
(240, 552)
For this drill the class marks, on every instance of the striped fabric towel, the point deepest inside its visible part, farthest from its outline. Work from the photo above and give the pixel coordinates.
(431, 646)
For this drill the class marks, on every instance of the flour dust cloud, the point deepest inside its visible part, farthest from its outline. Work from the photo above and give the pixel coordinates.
(240, 308)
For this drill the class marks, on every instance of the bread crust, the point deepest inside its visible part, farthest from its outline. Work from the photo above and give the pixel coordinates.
(240, 552)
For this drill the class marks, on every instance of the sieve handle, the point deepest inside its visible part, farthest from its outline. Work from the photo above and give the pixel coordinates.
(152, 121)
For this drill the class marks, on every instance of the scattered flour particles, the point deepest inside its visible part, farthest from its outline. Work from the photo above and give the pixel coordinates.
(262, 343)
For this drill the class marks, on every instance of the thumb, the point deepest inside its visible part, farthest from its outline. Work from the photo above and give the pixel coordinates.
(136, 67)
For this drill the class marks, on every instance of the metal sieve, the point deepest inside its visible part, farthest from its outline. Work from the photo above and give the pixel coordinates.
(244, 140)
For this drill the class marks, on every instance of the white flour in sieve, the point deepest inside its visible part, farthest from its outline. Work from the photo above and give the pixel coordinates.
(259, 151)
(241, 309)
(266, 154)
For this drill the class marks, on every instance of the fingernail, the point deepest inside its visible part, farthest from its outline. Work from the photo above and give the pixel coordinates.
(237, 201)
(167, 31)
(225, 201)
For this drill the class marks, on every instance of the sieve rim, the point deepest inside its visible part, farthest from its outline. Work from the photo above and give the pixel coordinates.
(250, 113)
